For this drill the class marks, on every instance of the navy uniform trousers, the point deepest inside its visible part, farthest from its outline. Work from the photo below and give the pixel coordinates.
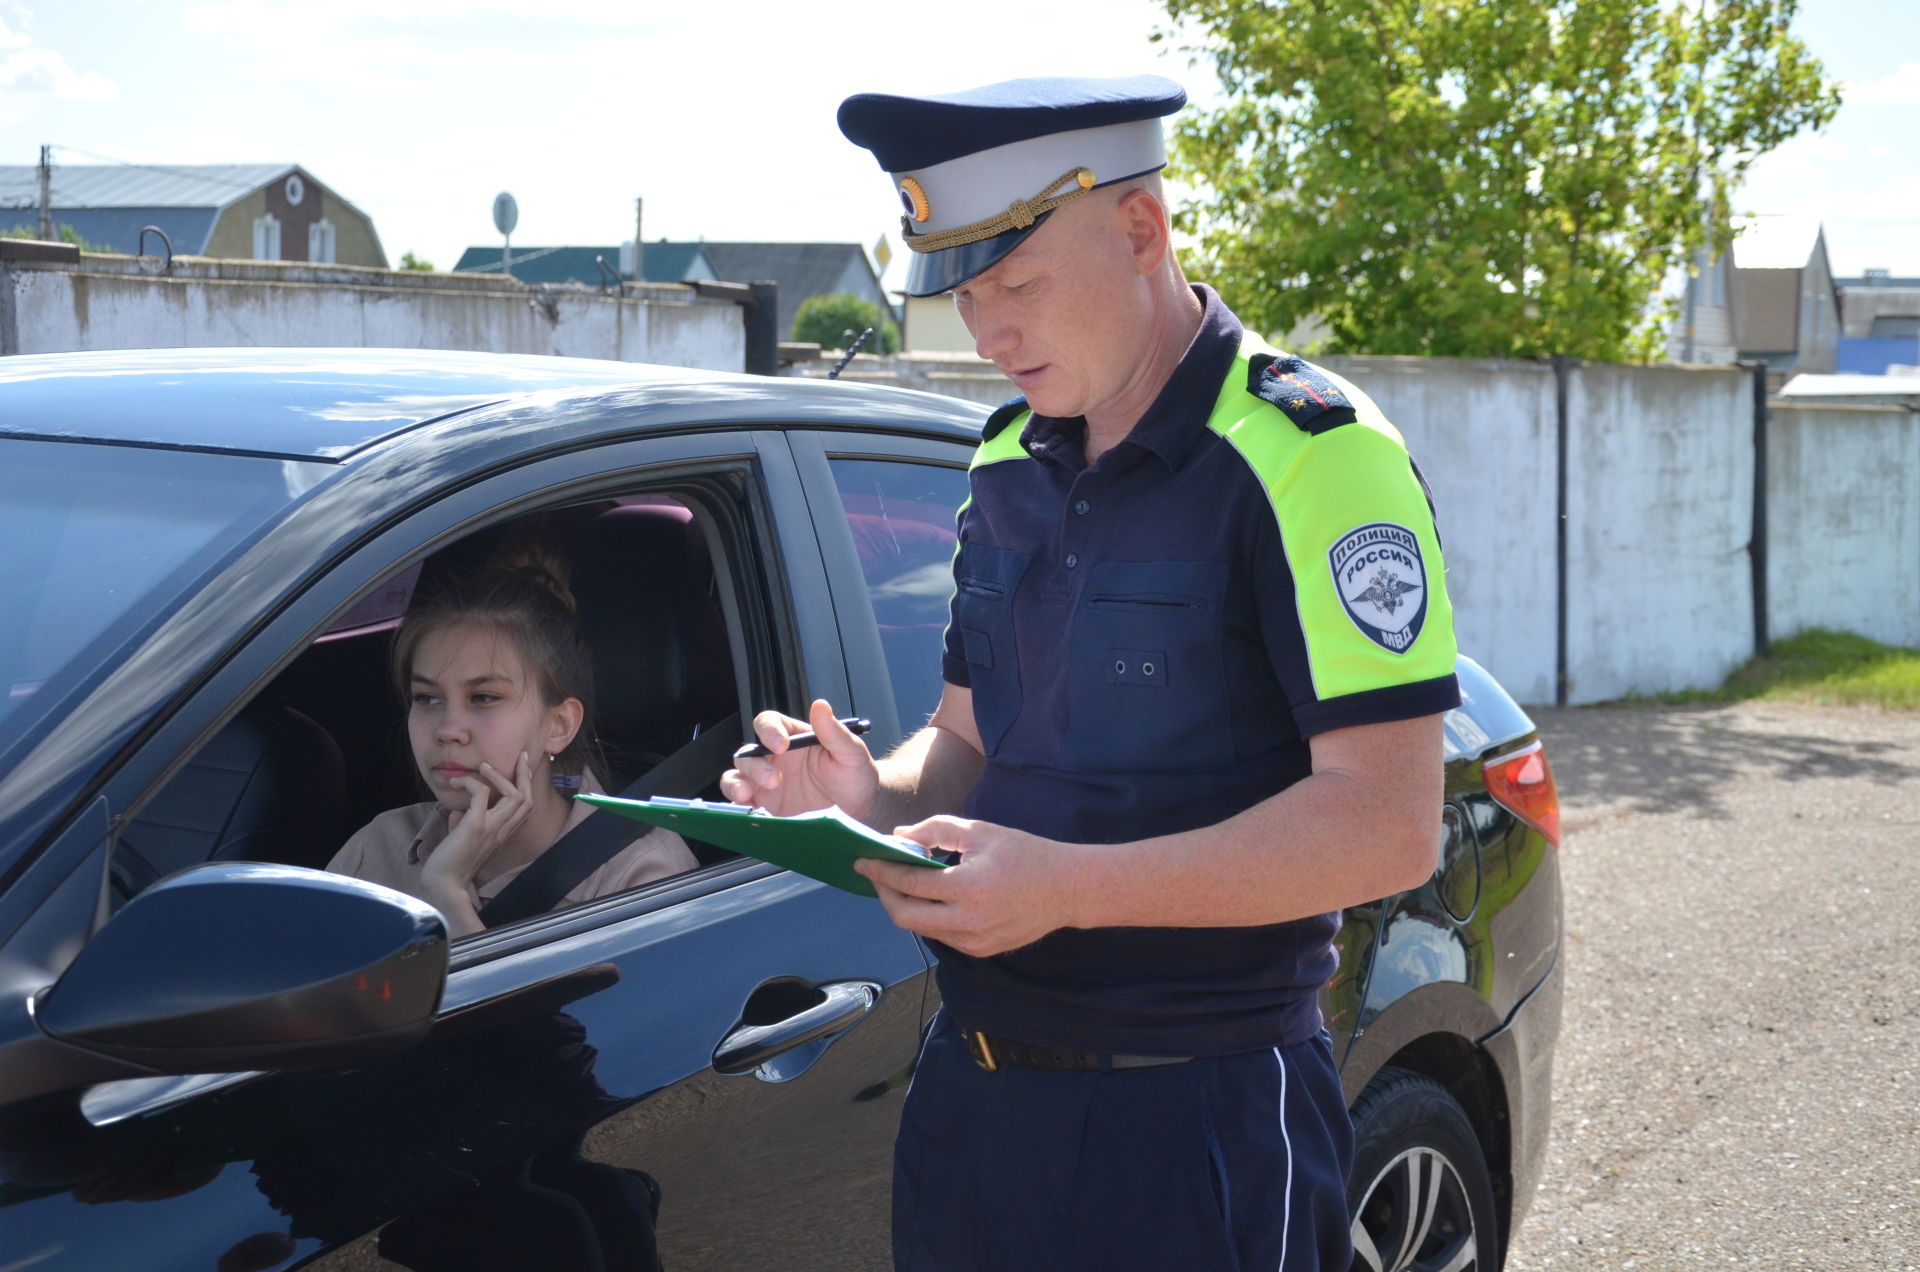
(1222, 1164)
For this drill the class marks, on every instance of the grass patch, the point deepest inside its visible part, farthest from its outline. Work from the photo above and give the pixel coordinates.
(1831, 668)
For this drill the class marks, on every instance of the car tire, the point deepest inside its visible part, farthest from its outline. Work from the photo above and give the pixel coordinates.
(1421, 1197)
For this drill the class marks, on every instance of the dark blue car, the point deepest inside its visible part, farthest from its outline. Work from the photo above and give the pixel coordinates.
(214, 1055)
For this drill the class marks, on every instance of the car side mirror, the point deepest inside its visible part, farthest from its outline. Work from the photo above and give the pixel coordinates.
(235, 966)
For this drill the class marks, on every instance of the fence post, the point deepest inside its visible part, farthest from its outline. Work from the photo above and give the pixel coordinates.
(1757, 544)
(759, 317)
(1561, 366)
(763, 329)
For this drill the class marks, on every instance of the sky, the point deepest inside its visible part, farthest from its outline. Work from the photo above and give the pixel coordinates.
(720, 115)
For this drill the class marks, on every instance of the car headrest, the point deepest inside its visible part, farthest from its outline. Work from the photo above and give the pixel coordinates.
(644, 584)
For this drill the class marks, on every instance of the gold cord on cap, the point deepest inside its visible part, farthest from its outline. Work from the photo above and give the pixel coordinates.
(1020, 214)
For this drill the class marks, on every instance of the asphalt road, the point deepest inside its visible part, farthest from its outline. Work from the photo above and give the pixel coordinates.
(1738, 1077)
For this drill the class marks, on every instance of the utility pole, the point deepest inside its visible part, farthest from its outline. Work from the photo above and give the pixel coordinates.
(639, 241)
(46, 194)
(1693, 294)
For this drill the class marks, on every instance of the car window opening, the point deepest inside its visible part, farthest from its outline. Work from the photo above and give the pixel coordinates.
(324, 749)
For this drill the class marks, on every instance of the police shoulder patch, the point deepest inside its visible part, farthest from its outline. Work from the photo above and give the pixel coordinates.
(1382, 581)
(1302, 391)
(1003, 415)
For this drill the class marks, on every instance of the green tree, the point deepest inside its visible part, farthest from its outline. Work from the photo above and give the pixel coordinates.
(833, 322)
(1479, 177)
(67, 234)
(409, 261)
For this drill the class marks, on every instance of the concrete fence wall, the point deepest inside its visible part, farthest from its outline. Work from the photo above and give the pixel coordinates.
(1659, 494)
(117, 302)
(1659, 506)
(1843, 521)
(1660, 521)
(1483, 433)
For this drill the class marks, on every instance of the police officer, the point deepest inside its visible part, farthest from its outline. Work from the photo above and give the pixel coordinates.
(1198, 652)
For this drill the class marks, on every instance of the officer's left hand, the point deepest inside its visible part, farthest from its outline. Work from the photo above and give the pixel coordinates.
(1008, 889)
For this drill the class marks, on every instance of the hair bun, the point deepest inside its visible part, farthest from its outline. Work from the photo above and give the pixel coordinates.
(538, 564)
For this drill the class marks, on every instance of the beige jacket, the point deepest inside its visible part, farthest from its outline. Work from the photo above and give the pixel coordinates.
(392, 849)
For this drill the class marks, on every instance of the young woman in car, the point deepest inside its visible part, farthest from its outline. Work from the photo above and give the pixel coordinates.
(499, 685)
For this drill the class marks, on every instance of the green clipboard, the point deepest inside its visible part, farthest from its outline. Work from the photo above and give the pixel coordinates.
(822, 844)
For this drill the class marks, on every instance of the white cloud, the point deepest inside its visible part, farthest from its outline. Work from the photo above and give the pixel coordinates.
(1891, 203)
(1898, 88)
(278, 22)
(25, 69)
(358, 77)
(388, 48)
(31, 70)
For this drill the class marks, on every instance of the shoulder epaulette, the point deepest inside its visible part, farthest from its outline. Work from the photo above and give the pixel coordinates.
(1312, 401)
(1003, 415)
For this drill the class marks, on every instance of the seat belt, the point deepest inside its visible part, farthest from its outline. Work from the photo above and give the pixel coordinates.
(601, 836)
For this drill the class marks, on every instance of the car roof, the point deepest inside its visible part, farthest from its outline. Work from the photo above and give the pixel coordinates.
(291, 403)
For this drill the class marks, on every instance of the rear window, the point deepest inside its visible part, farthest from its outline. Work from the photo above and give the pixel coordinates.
(98, 541)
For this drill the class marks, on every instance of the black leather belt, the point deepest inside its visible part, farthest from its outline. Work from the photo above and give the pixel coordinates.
(991, 1053)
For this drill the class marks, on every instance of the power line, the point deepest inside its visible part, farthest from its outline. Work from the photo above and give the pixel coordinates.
(520, 258)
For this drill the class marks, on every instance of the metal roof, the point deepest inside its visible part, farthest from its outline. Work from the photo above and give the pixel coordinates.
(661, 262)
(106, 185)
(803, 270)
(1876, 389)
(1888, 283)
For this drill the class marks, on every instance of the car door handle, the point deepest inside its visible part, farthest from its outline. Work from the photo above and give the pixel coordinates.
(748, 1047)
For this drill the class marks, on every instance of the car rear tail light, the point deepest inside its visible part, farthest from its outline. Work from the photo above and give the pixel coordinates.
(1522, 783)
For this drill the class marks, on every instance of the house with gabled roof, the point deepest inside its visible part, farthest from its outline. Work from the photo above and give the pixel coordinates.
(803, 271)
(1879, 322)
(257, 211)
(1787, 312)
(1704, 321)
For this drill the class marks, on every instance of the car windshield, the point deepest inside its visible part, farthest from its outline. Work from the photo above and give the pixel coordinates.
(97, 541)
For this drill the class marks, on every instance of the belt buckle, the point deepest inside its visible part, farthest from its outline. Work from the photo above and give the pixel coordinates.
(979, 1049)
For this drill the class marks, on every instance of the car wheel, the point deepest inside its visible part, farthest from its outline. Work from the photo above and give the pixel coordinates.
(1421, 1197)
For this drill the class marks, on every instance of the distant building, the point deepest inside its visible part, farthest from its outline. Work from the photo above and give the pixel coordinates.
(1786, 308)
(257, 211)
(1854, 390)
(803, 270)
(1703, 327)
(660, 262)
(930, 324)
(1879, 322)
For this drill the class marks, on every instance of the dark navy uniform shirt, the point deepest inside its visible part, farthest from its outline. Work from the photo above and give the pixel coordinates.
(1142, 662)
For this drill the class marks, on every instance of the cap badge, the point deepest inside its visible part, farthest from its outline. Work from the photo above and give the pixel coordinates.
(914, 200)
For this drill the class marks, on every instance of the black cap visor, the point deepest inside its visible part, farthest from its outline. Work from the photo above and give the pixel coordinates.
(931, 273)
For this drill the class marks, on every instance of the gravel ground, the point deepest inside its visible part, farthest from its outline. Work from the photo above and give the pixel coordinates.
(1738, 1076)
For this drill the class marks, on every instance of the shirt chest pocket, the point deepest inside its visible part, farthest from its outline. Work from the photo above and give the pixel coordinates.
(984, 581)
(1146, 683)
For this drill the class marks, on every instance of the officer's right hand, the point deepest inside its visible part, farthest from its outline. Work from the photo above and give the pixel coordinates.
(840, 770)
